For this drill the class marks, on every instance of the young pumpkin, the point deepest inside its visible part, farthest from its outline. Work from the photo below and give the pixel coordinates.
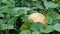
(38, 17)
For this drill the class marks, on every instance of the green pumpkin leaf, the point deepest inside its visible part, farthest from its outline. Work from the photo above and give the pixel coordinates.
(49, 20)
(57, 27)
(2, 21)
(53, 15)
(36, 26)
(1, 15)
(50, 5)
(36, 32)
(19, 11)
(25, 32)
(47, 30)
(6, 26)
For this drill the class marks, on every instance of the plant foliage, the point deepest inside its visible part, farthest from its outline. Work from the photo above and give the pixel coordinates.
(14, 14)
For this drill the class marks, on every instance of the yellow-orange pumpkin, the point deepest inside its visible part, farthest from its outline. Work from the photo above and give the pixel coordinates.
(37, 17)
